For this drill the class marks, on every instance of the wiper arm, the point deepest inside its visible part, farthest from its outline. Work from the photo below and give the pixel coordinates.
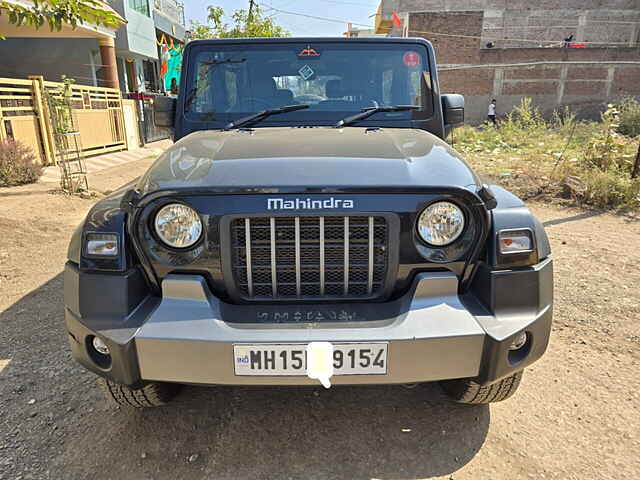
(256, 117)
(367, 112)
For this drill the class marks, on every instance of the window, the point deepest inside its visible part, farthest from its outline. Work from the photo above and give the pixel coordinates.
(140, 6)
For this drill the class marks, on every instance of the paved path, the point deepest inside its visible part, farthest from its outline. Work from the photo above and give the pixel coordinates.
(108, 160)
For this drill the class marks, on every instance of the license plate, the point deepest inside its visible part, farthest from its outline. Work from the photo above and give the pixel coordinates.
(290, 359)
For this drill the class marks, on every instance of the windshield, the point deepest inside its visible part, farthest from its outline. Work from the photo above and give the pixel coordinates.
(228, 82)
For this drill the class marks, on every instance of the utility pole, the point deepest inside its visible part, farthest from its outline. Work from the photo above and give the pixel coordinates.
(251, 3)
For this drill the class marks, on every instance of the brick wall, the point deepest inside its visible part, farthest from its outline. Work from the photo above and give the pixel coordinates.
(627, 81)
(469, 82)
(450, 49)
(585, 87)
(523, 23)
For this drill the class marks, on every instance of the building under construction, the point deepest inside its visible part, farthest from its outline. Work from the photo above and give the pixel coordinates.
(579, 53)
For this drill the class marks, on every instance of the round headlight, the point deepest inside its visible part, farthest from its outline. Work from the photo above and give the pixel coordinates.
(178, 225)
(441, 223)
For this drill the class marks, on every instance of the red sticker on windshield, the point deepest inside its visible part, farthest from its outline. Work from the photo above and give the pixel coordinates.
(411, 59)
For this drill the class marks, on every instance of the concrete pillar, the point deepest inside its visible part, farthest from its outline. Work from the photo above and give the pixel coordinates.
(611, 71)
(563, 78)
(633, 35)
(109, 64)
(582, 23)
(498, 76)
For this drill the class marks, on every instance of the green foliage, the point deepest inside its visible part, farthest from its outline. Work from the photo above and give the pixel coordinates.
(629, 123)
(604, 189)
(200, 31)
(604, 151)
(588, 162)
(524, 117)
(17, 164)
(244, 25)
(56, 13)
(60, 100)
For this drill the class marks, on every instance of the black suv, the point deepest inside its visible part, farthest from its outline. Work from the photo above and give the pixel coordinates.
(309, 224)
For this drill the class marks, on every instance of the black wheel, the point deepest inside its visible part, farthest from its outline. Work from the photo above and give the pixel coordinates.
(153, 394)
(467, 391)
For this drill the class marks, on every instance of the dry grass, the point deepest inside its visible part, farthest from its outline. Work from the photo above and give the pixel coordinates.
(586, 162)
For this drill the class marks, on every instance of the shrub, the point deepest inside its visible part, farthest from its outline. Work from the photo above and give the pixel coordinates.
(525, 116)
(629, 122)
(606, 190)
(18, 164)
(605, 150)
(589, 162)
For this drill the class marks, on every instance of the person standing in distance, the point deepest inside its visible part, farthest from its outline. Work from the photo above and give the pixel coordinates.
(491, 114)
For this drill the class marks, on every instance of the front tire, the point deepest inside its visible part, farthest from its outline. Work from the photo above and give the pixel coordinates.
(467, 391)
(153, 394)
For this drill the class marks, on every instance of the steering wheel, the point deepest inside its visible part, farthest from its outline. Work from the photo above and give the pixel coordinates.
(248, 101)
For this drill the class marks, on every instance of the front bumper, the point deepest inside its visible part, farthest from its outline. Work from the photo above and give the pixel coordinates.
(187, 336)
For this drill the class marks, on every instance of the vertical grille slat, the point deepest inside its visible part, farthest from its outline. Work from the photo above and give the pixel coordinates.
(309, 257)
(322, 271)
(346, 255)
(247, 245)
(298, 287)
(274, 277)
(370, 266)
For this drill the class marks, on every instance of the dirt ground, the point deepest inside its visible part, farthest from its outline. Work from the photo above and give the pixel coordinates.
(576, 415)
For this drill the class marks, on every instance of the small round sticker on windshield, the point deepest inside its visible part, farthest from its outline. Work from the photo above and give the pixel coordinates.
(411, 59)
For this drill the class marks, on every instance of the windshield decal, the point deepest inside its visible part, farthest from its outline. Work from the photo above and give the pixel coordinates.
(306, 72)
(411, 59)
(308, 52)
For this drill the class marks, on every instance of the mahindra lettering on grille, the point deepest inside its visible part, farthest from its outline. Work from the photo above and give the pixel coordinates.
(309, 256)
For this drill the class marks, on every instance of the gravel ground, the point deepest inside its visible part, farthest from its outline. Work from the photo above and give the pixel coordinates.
(576, 415)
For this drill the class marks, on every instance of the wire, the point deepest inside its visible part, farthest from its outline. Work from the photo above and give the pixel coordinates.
(315, 17)
(339, 2)
(476, 13)
(526, 40)
(533, 64)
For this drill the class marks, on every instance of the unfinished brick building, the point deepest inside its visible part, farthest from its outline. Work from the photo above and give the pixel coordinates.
(509, 49)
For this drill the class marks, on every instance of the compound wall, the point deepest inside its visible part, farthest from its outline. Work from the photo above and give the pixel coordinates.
(585, 79)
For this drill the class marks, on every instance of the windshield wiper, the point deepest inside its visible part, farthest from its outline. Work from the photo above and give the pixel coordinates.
(256, 117)
(367, 112)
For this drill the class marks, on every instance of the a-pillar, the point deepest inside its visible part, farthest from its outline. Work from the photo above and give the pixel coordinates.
(109, 65)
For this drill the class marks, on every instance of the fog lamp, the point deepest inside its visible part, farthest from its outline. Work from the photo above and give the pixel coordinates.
(100, 346)
(519, 341)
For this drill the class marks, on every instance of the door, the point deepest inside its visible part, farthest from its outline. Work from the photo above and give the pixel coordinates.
(131, 123)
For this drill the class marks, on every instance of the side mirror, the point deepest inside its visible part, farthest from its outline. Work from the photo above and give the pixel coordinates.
(452, 110)
(164, 111)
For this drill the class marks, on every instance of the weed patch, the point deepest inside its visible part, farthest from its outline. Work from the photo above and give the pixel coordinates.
(587, 162)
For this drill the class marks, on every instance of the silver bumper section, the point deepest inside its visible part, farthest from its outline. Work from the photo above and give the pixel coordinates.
(433, 337)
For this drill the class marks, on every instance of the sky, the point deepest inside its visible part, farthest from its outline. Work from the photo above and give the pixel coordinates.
(357, 11)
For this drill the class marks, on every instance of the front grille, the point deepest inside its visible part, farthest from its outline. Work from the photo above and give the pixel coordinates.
(309, 256)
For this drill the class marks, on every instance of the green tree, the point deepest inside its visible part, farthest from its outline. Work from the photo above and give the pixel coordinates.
(201, 31)
(56, 13)
(244, 24)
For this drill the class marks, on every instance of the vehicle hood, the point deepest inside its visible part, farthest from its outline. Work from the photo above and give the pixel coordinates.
(305, 159)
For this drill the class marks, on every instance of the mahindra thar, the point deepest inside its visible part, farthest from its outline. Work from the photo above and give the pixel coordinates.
(309, 224)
